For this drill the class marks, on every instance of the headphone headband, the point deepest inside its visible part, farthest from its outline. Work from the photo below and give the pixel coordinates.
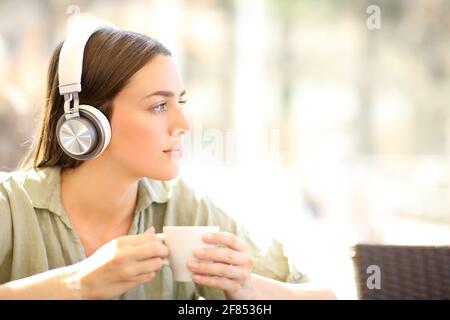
(70, 64)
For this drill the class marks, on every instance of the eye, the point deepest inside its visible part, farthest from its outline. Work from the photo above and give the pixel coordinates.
(159, 108)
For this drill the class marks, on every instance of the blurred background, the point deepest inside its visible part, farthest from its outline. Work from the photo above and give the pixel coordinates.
(310, 122)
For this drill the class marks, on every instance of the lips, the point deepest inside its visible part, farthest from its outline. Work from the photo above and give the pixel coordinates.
(176, 151)
(175, 148)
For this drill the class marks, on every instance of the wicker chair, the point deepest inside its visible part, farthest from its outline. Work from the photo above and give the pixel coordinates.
(407, 272)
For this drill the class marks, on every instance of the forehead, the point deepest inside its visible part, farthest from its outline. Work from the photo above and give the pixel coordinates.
(160, 73)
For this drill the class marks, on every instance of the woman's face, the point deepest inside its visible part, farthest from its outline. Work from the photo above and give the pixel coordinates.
(148, 122)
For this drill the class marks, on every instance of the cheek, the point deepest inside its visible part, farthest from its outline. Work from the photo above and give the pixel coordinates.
(137, 144)
(137, 136)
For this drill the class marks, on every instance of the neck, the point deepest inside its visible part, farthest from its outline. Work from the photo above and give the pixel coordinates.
(99, 192)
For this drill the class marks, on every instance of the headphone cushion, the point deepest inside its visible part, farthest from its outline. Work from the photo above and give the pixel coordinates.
(100, 122)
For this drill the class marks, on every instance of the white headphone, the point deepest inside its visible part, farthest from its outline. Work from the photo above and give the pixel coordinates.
(83, 131)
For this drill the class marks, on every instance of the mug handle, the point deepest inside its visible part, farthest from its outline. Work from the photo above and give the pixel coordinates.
(165, 260)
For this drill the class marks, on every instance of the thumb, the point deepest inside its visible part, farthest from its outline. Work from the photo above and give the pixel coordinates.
(150, 230)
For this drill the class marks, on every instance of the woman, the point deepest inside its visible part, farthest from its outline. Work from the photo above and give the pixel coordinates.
(76, 229)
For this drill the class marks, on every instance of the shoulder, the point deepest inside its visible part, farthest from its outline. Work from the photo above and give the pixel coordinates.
(9, 182)
(7, 176)
(23, 178)
(3, 196)
(9, 186)
(27, 186)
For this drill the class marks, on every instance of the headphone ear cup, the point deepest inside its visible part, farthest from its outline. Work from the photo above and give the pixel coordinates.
(84, 137)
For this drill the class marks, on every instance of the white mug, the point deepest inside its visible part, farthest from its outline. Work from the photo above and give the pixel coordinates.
(182, 241)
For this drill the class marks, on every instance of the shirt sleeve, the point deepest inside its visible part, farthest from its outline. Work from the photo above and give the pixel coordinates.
(270, 260)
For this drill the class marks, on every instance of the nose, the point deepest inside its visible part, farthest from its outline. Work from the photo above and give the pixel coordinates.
(179, 126)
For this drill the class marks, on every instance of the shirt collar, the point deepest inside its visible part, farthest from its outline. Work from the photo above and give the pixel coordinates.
(150, 191)
(43, 186)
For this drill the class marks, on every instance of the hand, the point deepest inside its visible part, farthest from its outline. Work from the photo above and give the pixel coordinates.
(230, 269)
(119, 266)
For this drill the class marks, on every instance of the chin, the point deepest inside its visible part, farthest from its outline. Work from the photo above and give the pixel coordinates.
(168, 173)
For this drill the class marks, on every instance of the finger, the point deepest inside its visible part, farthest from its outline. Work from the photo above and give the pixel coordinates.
(135, 240)
(134, 282)
(149, 250)
(144, 277)
(225, 238)
(214, 282)
(142, 238)
(216, 269)
(224, 255)
(125, 241)
(148, 266)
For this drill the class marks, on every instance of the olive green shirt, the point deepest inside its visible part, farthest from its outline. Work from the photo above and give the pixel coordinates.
(36, 234)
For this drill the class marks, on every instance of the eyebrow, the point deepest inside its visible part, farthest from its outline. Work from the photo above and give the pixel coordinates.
(163, 93)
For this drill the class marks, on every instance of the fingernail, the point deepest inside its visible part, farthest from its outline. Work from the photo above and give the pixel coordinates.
(200, 252)
(193, 264)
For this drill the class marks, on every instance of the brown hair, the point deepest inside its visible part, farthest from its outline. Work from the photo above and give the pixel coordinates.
(111, 58)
